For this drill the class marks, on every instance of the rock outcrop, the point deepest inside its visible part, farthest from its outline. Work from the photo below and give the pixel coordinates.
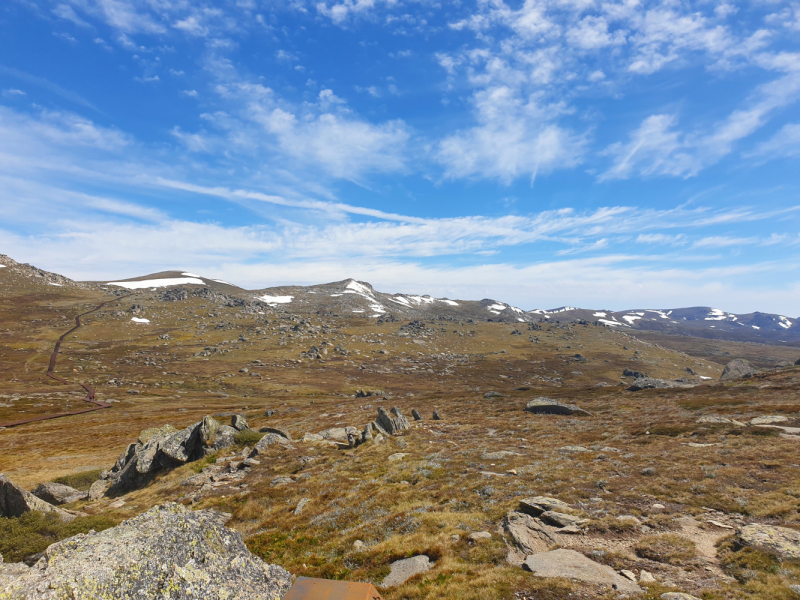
(158, 449)
(651, 383)
(393, 422)
(57, 493)
(548, 406)
(574, 565)
(780, 541)
(167, 552)
(737, 369)
(14, 502)
(405, 569)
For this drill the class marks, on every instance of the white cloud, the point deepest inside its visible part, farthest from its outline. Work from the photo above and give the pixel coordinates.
(657, 148)
(66, 12)
(514, 138)
(13, 93)
(784, 144)
(338, 12)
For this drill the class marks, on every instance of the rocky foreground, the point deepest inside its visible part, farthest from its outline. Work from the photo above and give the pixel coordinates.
(167, 552)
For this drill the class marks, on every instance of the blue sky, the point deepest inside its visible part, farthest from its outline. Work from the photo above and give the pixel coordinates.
(594, 153)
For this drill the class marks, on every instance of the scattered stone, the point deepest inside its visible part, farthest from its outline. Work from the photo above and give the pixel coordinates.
(629, 519)
(397, 456)
(300, 506)
(312, 437)
(530, 536)
(416, 415)
(677, 596)
(392, 423)
(628, 574)
(649, 471)
(366, 435)
(334, 433)
(574, 565)
(719, 524)
(479, 535)
(493, 395)
(239, 423)
(280, 432)
(560, 519)
(659, 506)
(267, 441)
(189, 553)
(14, 502)
(634, 374)
(269, 412)
(436, 416)
(499, 455)
(536, 505)
(98, 489)
(768, 420)
(739, 368)
(573, 449)
(403, 570)
(57, 493)
(359, 546)
(711, 419)
(780, 541)
(281, 480)
(650, 383)
(548, 406)
(646, 577)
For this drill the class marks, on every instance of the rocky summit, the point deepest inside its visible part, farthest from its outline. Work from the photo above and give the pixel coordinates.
(199, 440)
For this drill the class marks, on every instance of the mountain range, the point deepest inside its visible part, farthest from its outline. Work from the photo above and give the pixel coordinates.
(357, 298)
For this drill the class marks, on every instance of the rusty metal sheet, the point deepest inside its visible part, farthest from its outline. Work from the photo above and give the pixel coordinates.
(309, 588)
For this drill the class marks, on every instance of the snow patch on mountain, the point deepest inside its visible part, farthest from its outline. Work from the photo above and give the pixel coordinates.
(275, 300)
(156, 283)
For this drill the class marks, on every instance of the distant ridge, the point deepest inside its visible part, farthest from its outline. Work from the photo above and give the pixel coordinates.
(353, 298)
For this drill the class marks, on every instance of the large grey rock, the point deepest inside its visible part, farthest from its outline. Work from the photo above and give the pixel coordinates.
(393, 422)
(161, 448)
(416, 415)
(548, 406)
(14, 502)
(536, 505)
(574, 565)
(208, 429)
(780, 541)
(57, 493)
(269, 440)
(768, 420)
(403, 570)
(226, 437)
(560, 519)
(651, 383)
(278, 430)
(239, 423)
(529, 535)
(739, 368)
(167, 552)
(338, 434)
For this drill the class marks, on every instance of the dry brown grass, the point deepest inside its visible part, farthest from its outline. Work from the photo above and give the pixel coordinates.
(444, 487)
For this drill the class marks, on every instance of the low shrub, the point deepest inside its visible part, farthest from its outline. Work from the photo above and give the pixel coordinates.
(247, 437)
(81, 481)
(666, 548)
(34, 531)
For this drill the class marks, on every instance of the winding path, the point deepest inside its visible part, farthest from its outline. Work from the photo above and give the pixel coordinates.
(90, 392)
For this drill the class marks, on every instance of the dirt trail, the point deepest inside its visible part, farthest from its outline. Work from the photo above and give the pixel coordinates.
(90, 392)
